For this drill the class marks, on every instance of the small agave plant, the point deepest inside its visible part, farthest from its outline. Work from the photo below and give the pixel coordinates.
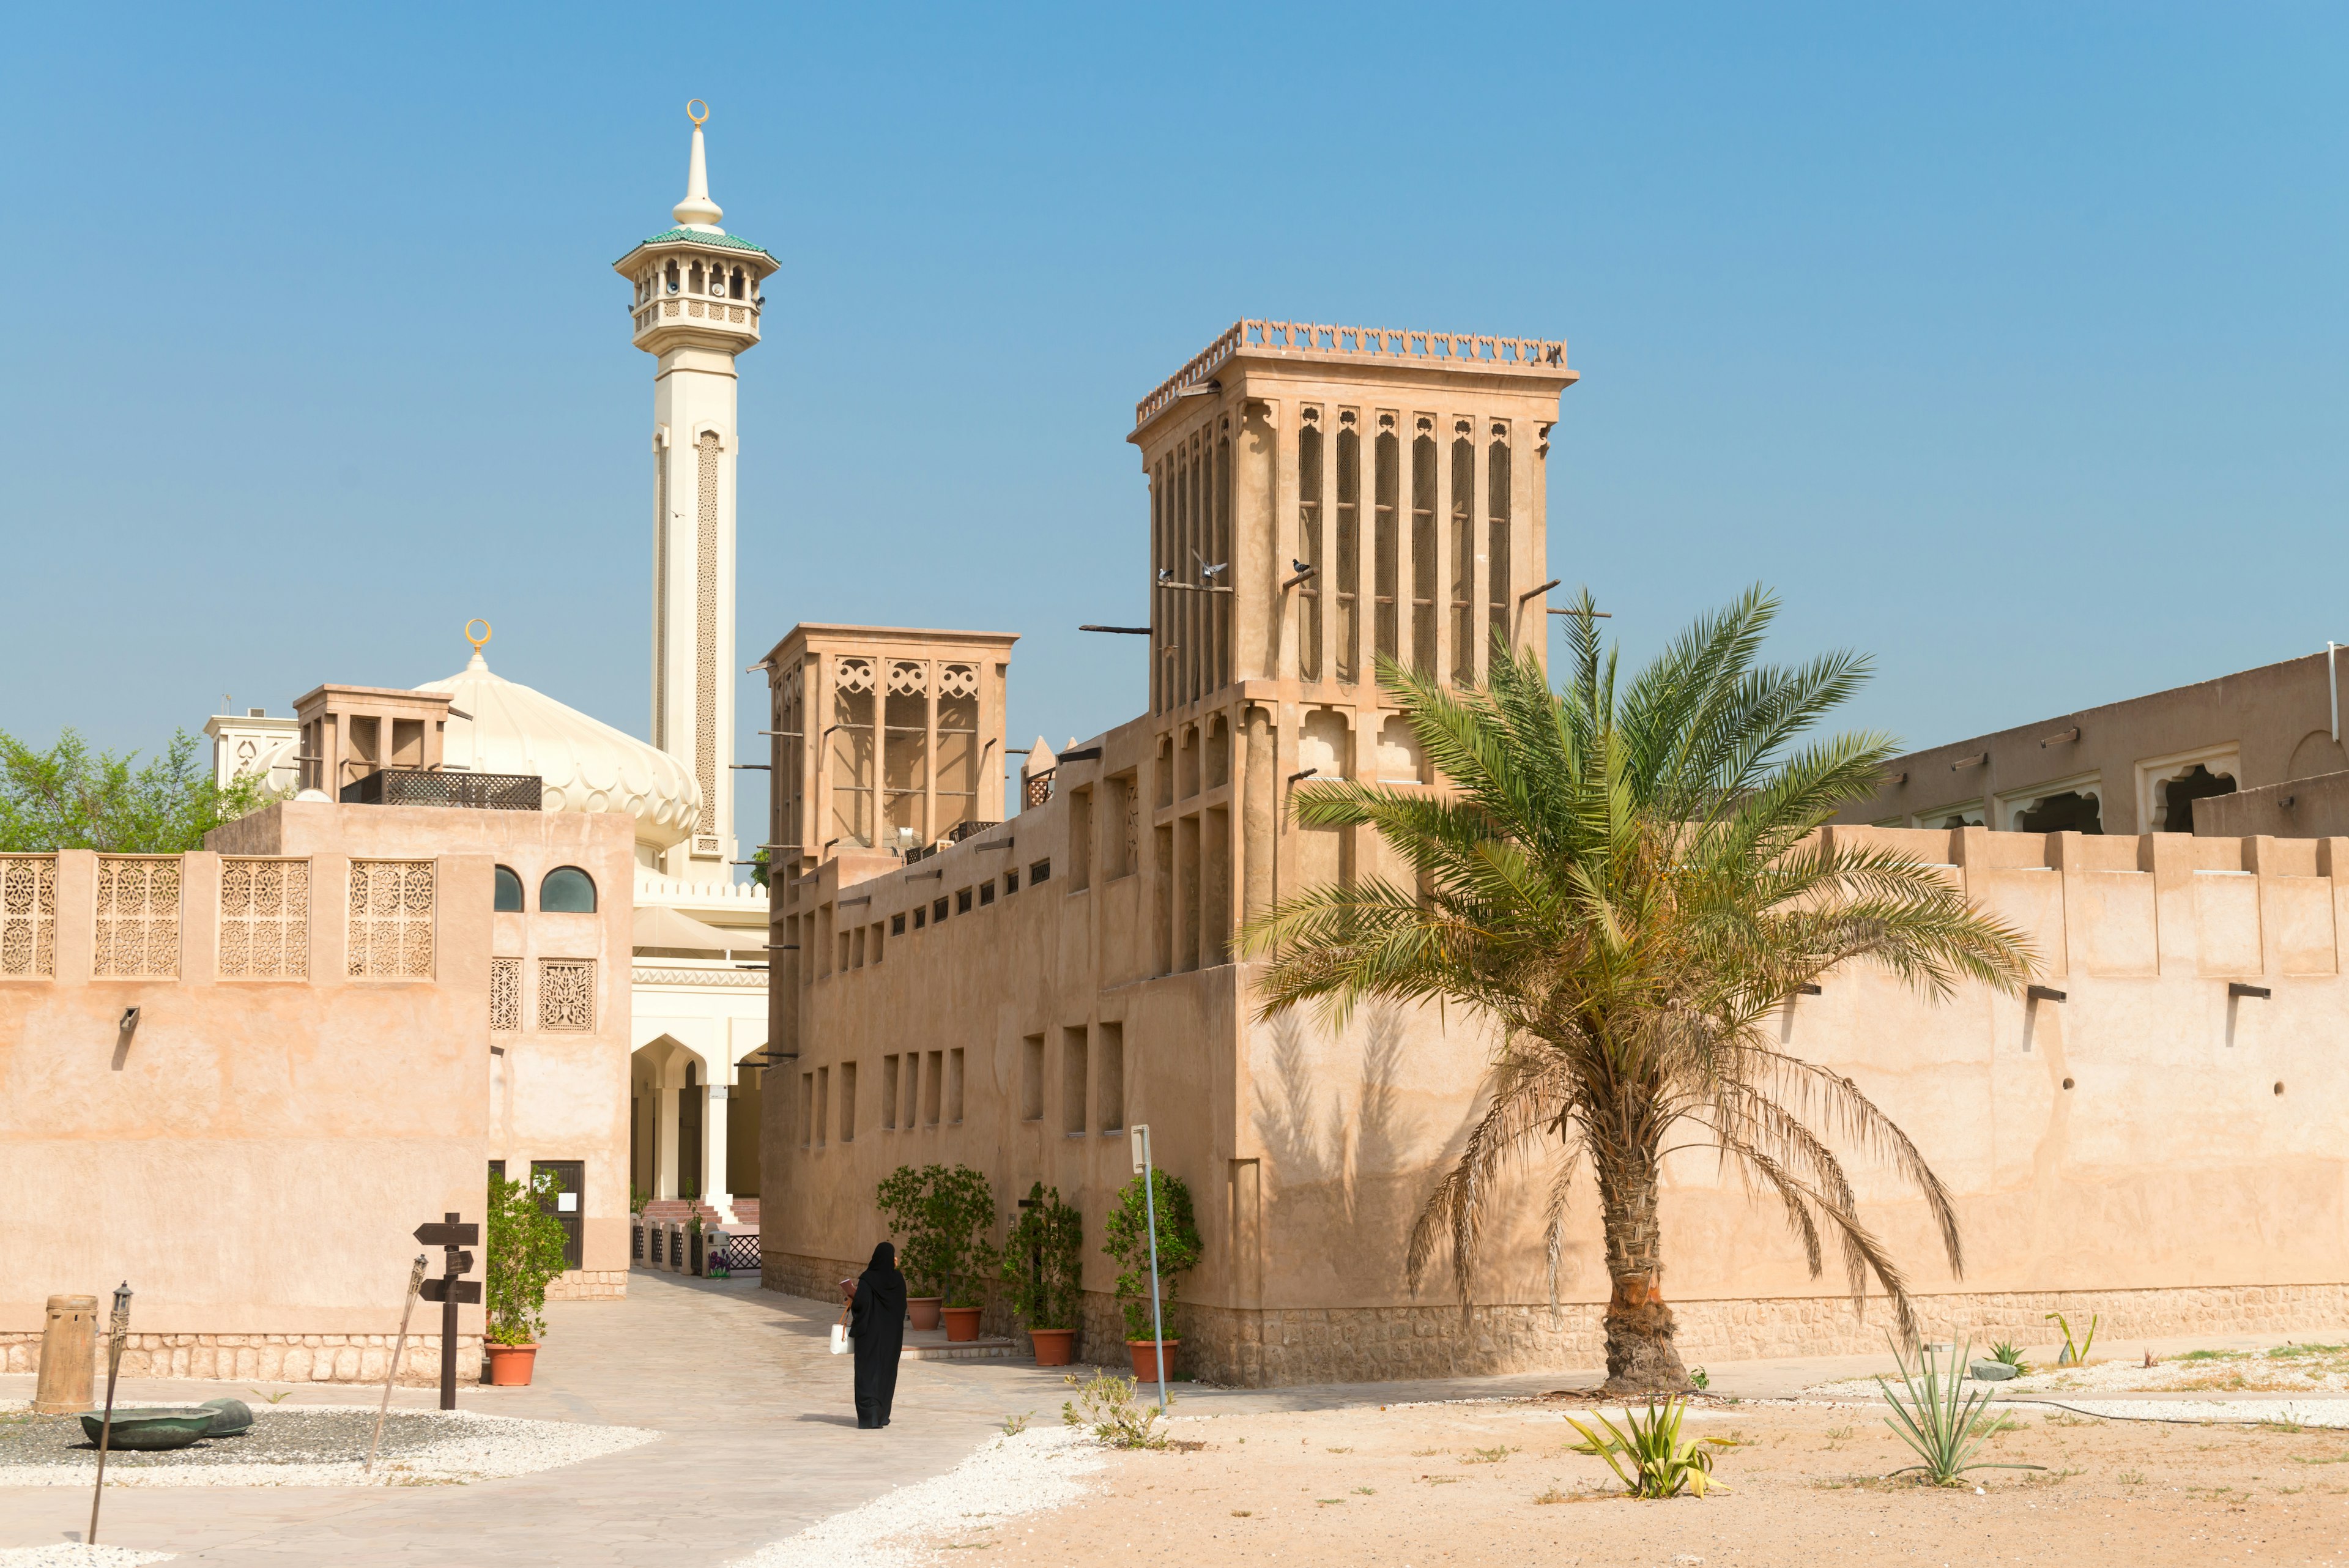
(1649, 1458)
(1938, 1418)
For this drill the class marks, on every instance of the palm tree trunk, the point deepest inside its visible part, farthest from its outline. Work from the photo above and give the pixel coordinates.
(1640, 1357)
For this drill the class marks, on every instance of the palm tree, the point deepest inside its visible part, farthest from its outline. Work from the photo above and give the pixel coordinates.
(1629, 886)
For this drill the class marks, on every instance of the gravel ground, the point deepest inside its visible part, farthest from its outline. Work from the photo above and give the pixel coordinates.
(968, 1507)
(314, 1445)
(71, 1555)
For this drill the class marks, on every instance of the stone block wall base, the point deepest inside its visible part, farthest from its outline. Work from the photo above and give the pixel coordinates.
(588, 1286)
(266, 1357)
(1273, 1347)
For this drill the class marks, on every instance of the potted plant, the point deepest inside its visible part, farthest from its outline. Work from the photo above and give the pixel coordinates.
(1042, 1260)
(1128, 1233)
(944, 1217)
(523, 1252)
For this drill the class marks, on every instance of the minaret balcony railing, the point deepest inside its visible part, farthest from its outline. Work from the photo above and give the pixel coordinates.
(690, 310)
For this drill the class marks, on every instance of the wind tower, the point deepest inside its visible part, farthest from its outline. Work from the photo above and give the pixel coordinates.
(695, 306)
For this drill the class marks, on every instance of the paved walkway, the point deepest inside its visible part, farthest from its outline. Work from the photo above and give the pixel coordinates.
(759, 1441)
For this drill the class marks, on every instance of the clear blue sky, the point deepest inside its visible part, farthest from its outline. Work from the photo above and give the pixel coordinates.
(2006, 341)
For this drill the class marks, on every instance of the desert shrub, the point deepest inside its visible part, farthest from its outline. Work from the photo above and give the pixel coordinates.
(1108, 1405)
(522, 1248)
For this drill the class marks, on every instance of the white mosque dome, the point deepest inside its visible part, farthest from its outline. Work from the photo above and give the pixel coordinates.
(498, 726)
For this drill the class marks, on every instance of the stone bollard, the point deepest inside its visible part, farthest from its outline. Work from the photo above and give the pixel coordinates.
(68, 1357)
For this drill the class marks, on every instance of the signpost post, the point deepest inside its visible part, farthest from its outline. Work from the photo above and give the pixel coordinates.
(117, 1332)
(450, 1291)
(1150, 1213)
(391, 1373)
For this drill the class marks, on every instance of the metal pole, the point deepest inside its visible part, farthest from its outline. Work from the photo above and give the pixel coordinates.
(448, 1330)
(119, 1329)
(1157, 1321)
(391, 1374)
(2333, 680)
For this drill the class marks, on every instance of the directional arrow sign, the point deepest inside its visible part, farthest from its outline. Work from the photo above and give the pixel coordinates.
(469, 1291)
(448, 1235)
(460, 1264)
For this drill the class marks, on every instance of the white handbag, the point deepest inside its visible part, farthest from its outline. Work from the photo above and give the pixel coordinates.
(840, 1339)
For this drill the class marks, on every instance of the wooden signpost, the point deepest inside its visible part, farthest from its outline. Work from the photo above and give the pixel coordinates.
(450, 1292)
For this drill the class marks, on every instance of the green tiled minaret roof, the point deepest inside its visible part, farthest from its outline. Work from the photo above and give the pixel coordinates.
(704, 238)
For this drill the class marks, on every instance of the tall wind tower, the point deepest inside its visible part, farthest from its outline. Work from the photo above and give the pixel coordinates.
(697, 307)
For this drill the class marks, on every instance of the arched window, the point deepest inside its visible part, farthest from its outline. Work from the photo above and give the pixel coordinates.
(567, 891)
(734, 283)
(693, 279)
(671, 271)
(509, 891)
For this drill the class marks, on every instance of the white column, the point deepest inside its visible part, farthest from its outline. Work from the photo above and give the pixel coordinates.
(713, 1152)
(665, 1131)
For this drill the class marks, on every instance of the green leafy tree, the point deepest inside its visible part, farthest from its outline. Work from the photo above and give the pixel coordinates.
(522, 1252)
(944, 1217)
(1043, 1260)
(1126, 1238)
(71, 797)
(1629, 886)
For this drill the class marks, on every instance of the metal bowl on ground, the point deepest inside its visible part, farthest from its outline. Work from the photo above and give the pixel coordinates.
(151, 1427)
(231, 1418)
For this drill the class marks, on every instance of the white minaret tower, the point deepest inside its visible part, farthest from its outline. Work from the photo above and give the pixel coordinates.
(695, 307)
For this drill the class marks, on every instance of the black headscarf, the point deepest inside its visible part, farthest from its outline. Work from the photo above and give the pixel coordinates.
(876, 1317)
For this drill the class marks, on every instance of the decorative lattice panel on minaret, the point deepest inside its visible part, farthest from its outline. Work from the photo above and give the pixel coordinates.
(390, 919)
(138, 935)
(264, 919)
(28, 914)
(705, 631)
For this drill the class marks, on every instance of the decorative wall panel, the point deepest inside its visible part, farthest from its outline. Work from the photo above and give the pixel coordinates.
(505, 994)
(28, 914)
(390, 920)
(138, 935)
(265, 919)
(566, 996)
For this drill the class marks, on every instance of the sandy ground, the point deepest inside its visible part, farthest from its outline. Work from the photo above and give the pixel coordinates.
(1494, 1481)
(2307, 1370)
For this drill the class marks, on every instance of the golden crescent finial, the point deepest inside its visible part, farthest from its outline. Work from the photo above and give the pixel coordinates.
(699, 119)
(477, 641)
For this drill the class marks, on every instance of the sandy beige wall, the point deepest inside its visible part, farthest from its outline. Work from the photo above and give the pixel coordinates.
(2125, 1149)
(255, 1158)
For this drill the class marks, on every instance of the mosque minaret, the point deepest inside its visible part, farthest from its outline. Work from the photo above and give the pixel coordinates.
(695, 306)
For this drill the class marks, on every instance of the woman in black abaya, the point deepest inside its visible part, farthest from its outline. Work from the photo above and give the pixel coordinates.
(877, 1320)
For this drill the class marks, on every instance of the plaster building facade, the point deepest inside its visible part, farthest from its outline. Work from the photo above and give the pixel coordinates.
(242, 1077)
(2151, 1137)
(2137, 766)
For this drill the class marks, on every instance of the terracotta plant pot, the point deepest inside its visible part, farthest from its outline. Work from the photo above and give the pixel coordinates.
(1146, 1354)
(509, 1365)
(924, 1310)
(1054, 1346)
(962, 1323)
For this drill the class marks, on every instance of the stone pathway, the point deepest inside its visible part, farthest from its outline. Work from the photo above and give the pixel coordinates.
(760, 1442)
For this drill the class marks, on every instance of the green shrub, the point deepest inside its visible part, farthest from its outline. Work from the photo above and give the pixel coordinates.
(1054, 1232)
(523, 1253)
(2073, 1354)
(1128, 1241)
(2005, 1351)
(942, 1219)
(1647, 1454)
